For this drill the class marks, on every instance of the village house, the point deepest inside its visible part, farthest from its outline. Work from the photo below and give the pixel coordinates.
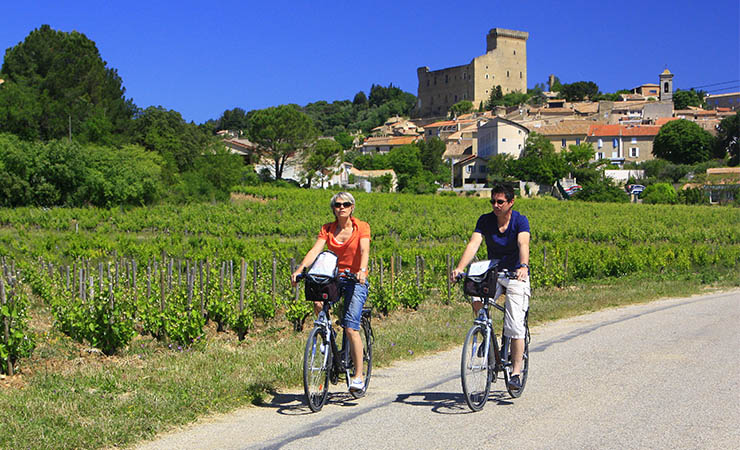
(565, 133)
(347, 176)
(623, 143)
(501, 136)
(375, 145)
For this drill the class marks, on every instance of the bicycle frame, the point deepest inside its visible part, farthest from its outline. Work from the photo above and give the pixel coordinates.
(340, 356)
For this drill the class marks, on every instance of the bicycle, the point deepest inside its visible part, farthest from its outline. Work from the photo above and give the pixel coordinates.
(482, 357)
(324, 361)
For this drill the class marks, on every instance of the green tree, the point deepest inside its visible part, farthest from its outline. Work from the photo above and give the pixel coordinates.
(360, 99)
(660, 193)
(728, 139)
(430, 153)
(578, 156)
(345, 140)
(322, 157)
(460, 108)
(579, 90)
(280, 133)
(494, 98)
(498, 166)
(603, 190)
(166, 133)
(233, 120)
(683, 142)
(539, 162)
(684, 99)
(405, 160)
(59, 85)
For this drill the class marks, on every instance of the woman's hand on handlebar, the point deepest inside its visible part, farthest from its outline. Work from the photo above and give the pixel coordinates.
(294, 276)
(455, 275)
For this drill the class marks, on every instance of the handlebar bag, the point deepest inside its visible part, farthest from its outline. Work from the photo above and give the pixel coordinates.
(481, 279)
(321, 279)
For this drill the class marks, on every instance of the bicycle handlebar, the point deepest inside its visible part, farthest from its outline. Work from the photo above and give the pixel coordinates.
(344, 274)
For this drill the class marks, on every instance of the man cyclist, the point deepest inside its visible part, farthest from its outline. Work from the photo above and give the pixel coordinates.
(506, 233)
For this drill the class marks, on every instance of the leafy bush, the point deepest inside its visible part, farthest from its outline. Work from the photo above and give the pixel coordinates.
(603, 190)
(660, 193)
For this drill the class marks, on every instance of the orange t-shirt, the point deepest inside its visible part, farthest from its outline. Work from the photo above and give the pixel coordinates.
(348, 253)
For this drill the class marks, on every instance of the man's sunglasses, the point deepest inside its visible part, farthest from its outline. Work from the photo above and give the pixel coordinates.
(345, 204)
(498, 202)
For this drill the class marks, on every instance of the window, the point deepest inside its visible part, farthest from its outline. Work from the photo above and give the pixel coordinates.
(468, 169)
(515, 52)
(615, 143)
(634, 152)
(519, 146)
(562, 143)
(634, 140)
(520, 75)
(599, 155)
(601, 142)
(578, 141)
(486, 76)
(503, 139)
(665, 87)
(507, 74)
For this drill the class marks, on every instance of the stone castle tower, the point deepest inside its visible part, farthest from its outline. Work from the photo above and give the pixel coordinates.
(504, 64)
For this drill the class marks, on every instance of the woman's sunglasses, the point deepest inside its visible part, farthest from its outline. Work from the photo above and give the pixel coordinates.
(344, 204)
(498, 202)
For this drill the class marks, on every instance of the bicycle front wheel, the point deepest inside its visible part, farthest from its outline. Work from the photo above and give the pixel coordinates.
(474, 368)
(366, 336)
(316, 366)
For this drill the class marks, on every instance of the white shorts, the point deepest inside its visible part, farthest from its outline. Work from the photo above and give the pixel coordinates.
(516, 306)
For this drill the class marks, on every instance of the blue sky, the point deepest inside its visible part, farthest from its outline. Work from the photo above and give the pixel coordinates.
(201, 58)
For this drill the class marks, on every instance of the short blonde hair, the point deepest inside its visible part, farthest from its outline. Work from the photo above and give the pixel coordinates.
(344, 195)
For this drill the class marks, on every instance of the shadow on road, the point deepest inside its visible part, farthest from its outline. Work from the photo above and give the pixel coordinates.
(446, 402)
(295, 404)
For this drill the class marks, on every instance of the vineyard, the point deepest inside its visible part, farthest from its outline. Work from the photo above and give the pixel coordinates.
(110, 274)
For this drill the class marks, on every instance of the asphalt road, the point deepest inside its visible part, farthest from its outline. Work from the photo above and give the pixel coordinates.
(659, 375)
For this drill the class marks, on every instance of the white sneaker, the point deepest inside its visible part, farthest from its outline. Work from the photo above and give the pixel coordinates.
(356, 385)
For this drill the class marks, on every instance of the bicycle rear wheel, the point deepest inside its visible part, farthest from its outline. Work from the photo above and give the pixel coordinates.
(475, 368)
(316, 367)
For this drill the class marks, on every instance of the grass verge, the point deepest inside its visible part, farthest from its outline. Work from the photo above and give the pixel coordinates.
(68, 396)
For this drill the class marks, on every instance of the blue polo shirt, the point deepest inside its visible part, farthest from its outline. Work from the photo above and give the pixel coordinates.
(504, 245)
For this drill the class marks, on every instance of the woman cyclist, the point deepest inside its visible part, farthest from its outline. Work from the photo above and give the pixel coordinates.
(349, 239)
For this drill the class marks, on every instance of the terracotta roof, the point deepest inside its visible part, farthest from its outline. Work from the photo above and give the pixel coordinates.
(694, 112)
(391, 140)
(586, 107)
(565, 128)
(640, 130)
(623, 130)
(371, 173)
(440, 124)
(660, 121)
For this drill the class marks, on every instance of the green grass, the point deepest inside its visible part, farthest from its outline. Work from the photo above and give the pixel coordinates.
(67, 397)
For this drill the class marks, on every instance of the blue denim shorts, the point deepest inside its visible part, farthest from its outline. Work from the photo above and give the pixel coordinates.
(355, 295)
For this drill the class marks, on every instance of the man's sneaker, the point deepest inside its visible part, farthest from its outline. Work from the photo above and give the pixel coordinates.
(356, 385)
(515, 383)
